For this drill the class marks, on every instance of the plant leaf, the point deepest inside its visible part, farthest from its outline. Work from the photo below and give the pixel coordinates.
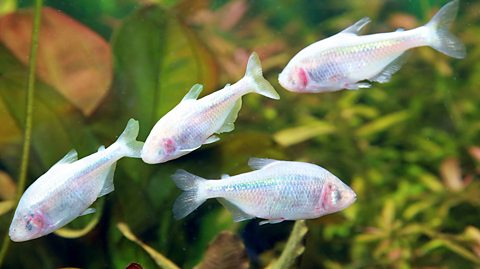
(451, 174)
(161, 260)
(382, 123)
(158, 59)
(6, 206)
(295, 135)
(73, 59)
(7, 6)
(8, 188)
(293, 248)
(226, 251)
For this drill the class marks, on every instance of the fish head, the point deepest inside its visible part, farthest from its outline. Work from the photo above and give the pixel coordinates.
(335, 196)
(28, 224)
(160, 151)
(294, 78)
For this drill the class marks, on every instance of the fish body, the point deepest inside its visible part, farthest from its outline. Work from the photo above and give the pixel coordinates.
(69, 187)
(276, 191)
(194, 122)
(346, 59)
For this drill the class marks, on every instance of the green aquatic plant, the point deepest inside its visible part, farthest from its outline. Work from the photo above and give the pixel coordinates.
(22, 178)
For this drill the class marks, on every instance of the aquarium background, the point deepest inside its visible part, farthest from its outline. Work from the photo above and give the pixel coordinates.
(410, 148)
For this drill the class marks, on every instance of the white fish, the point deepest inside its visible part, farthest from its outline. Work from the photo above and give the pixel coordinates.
(344, 60)
(195, 122)
(276, 191)
(69, 187)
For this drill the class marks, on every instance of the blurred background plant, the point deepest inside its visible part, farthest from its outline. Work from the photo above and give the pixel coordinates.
(409, 148)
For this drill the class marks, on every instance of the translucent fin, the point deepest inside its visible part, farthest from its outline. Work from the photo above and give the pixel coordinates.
(442, 39)
(108, 183)
(228, 125)
(237, 213)
(71, 157)
(188, 201)
(259, 83)
(356, 27)
(190, 150)
(211, 139)
(270, 221)
(261, 163)
(359, 85)
(101, 148)
(89, 210)
(194, 92)
(400, 30)
(127, 140)
(224, 176)
(386, 74)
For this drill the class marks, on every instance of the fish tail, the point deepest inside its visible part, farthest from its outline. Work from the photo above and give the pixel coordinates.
(441, 38)
(128, 142)
(192, 197)
(259, 83)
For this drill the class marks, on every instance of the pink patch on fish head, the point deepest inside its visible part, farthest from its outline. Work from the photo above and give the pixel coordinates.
(335, 196)
(28, 226)
(169, 146)
(294, 79)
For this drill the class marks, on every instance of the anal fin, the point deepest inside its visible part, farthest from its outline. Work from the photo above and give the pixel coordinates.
(211, 139)
(89, 210)
(228, 125)
(386, 74)
(108, 183)
(237, 213)
(270, 221)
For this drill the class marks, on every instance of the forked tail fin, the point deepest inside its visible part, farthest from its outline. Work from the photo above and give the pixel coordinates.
(193, 196)
(128, 142)
(258, 82)
(442, 39)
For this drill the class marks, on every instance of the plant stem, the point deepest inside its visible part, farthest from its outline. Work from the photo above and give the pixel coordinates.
(28, 116)
(293, 248)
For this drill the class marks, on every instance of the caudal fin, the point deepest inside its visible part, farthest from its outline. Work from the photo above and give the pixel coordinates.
(128, 142)
(442, 39)
(258, 82)
(193, 196)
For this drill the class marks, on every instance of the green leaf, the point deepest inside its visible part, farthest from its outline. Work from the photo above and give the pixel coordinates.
(158, 59)
(6, 206)
(295, 135)
(7, 6)
(382, 123)
(160, 260)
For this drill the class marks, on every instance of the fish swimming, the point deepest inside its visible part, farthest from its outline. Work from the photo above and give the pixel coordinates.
(275, 191)
(193, 122)
(69, 187)
(346, 60)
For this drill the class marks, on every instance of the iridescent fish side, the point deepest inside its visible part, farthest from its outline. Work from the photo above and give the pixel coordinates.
(193, 122)
(69, 187)
(275, 191)
(346, 60)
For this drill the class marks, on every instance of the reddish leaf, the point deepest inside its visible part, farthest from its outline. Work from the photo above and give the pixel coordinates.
(71, 57)
(226, 251)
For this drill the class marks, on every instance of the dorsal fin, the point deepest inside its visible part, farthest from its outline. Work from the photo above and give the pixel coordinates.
(261, 163)
(70, 157)
(194, 92)
(101, 148)
(356, 27)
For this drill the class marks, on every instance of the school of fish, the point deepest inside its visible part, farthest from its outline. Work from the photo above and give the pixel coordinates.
(276, 190)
